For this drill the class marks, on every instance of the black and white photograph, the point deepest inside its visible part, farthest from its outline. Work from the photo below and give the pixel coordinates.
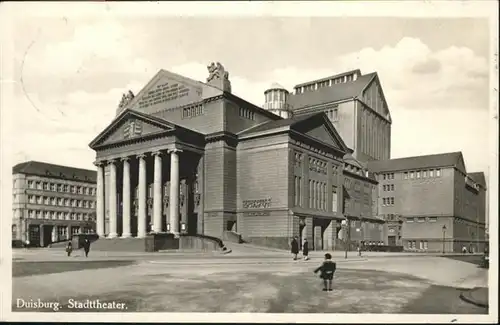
(249, 161)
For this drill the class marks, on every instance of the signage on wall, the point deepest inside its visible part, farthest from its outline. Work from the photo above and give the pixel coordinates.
(257, 204)
(163, 93)
(257, 214)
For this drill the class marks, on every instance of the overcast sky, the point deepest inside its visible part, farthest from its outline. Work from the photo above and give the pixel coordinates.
(69, 73)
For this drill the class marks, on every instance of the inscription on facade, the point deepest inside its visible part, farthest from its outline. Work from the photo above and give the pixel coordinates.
(163, 93)
(257, 214)
(257, 204)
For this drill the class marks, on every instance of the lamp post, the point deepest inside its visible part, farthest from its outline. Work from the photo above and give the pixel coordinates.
(444, 233)
(345, 226)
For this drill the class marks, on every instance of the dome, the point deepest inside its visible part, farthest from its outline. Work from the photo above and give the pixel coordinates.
(275, 86)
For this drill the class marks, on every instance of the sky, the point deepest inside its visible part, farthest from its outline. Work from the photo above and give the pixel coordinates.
(69, 72)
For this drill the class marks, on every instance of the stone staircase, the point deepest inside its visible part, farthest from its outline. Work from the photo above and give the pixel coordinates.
(119, 245)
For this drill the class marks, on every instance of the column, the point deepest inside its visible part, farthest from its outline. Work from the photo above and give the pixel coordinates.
(157, 193)
(112, 200)
(174, 191)
(100, 200)
(141, 221)
(42, 236)
(54, 234)
(126, 199)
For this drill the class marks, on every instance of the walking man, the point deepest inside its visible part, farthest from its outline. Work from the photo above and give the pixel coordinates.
(86, 246)
(305, 250)
(294, 248)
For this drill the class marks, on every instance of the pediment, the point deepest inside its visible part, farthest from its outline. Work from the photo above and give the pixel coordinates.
(321, 129)
(167, 90)
(131, 125)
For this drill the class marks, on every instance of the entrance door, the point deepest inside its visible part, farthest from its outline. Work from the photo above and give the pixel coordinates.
(391, 240)
(192, 226)
(34, 235)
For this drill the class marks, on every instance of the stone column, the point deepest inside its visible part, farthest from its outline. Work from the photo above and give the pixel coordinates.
(100, 200)
(42, 236)
(112, 200)
(157, 193)
(126, 199)
(141, 220)
(174, 191)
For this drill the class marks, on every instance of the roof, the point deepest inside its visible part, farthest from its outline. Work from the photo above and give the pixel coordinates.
(333, 93)
(478, 177)
(56, 171)
(270, 125)
(450, 159)
(356, 71)
(298, 123)
(274, 86)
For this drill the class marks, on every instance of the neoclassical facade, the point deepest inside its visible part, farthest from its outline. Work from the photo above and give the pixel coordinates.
(184, 156)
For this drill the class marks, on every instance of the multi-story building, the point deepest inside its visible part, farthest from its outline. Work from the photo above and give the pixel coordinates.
(356, 105)
(441, 206)
(51, 202)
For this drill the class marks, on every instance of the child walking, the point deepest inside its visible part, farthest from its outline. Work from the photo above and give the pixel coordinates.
(327, 271)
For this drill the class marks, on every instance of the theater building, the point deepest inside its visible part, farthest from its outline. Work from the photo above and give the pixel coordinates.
(441, 207)
(51, 202)
(184, 156)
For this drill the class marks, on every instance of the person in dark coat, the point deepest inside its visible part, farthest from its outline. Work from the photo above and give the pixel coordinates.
(86, 246)
(69, 248)
(295, 247)
(305, 250)
(327, 270)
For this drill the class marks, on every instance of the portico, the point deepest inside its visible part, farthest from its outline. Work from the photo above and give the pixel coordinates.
(148, 180)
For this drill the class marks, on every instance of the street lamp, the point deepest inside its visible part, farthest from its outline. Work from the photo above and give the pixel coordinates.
(444, 233)
(345, 226)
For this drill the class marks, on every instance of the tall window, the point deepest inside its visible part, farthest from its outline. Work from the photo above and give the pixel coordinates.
(310, 194)
(424, 174)
(431, 173)
(412, 175)
(418, 174)
(438, 172)
(405, 175)
(334, 199)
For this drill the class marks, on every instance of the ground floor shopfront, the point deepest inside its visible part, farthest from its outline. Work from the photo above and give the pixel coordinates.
(43, 234)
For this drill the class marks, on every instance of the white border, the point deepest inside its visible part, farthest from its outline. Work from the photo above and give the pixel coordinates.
(425, 9)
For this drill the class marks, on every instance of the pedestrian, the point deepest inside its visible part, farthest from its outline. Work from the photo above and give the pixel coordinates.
(464, 250)
(294, 248)
(359, 250)
(327, 270)
(305, 249)
(86, 246)
(69, 248)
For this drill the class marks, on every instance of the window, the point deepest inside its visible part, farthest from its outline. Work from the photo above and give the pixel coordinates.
(431, 173)
(38, 214)
(418, 174)
(432, 219)
(392, 175)
(65, 188)
(384, 188)
(392, 201)
(426, 245)
(421, 219)
(39, 200)
(409, 220)
(46, 215)
(45, 200)
(384, 201)
(59, 187)
(392, 187)
(421, 244)
(438, 172)
(31, 213)
(424, 174)
(334, 199)
(31, 184)
(385, 176)
(31, 199)
(412, 175)
(45, 186)
(53, 187)
(59, 215)
(52, 215)
(405, 175)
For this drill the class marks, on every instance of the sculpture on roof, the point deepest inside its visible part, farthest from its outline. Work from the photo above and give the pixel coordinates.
(216, 71)
(126, 99)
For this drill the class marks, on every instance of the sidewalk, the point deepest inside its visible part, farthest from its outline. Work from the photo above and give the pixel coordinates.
(477, 296)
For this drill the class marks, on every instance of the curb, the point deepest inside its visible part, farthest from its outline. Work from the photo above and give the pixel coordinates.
(467, 297)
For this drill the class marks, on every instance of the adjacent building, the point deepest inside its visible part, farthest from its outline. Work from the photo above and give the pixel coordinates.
(51, 202)
(439, 206)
